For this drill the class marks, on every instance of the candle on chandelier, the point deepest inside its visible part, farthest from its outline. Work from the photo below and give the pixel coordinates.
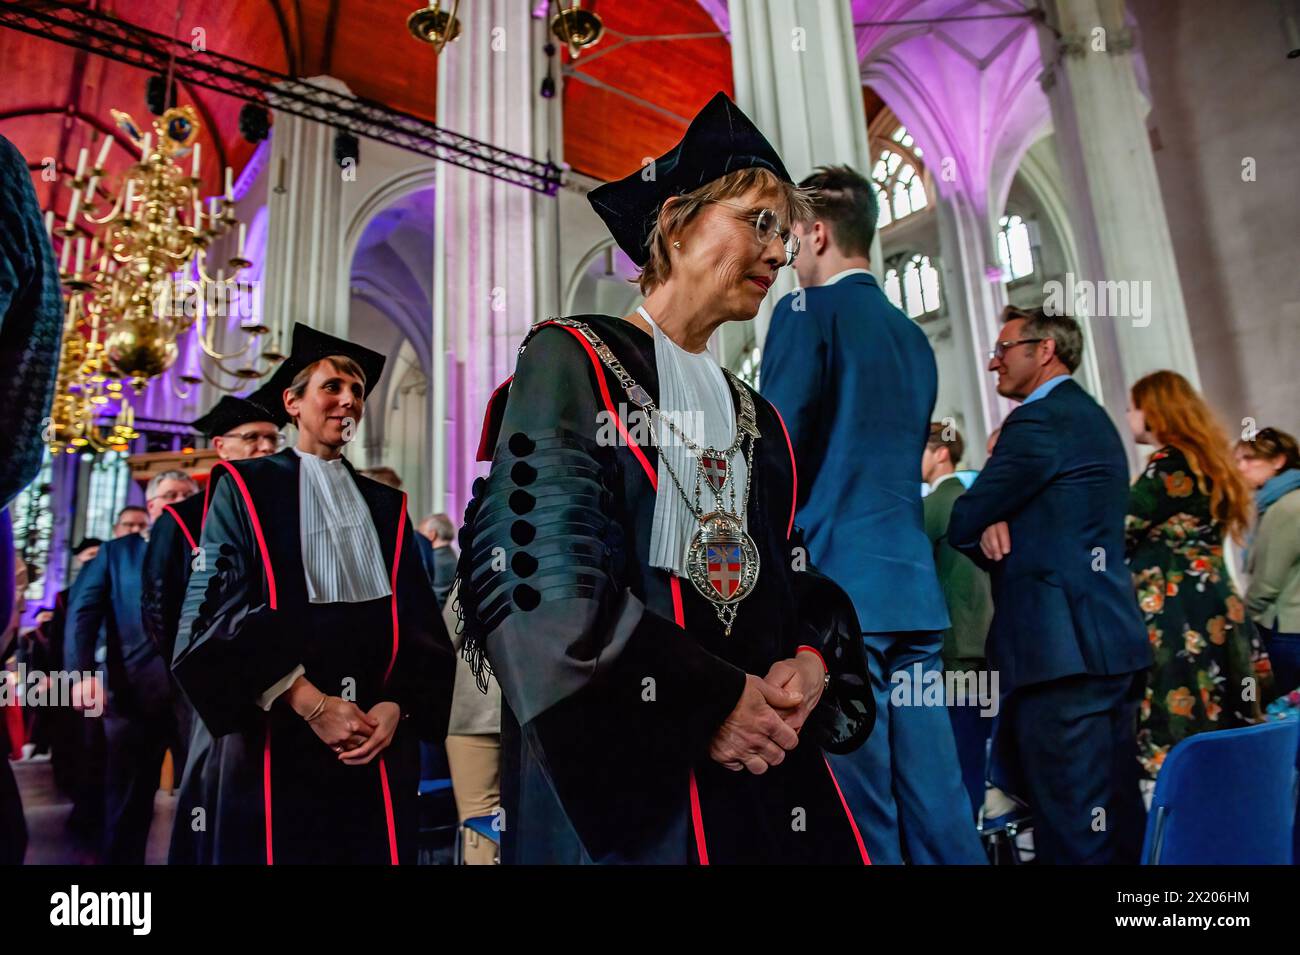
(63, 256)
(81, 254)
(103, 151)
(73, 205)
(130, 196)
(198, 213)
(243, 234)
(81, 162)
(194, 172)
(49, 223)
(90, 188)
(147, 146)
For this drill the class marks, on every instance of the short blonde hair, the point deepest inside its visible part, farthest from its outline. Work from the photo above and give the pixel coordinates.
(676, 216)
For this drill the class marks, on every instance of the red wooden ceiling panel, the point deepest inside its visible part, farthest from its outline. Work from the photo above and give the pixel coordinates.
(607, 135)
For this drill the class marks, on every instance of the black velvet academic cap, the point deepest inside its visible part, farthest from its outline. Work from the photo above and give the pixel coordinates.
(229, 413)
(720, 139)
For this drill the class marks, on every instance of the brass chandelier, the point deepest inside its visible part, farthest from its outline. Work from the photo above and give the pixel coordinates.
(129, 301)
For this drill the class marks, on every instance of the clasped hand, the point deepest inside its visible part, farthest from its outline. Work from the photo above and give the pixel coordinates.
(356, 735)
(765, 723)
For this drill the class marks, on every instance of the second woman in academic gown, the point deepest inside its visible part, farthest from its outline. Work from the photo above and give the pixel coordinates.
(260, 785)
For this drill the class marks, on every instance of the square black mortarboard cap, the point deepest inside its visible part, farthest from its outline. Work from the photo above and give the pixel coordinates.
(720, 139)
(229, 413)
(310, 345)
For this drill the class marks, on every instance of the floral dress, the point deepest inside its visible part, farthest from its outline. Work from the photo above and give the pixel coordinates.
(1208, 667)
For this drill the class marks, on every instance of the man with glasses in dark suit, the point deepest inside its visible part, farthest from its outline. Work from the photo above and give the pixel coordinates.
(1046, 518)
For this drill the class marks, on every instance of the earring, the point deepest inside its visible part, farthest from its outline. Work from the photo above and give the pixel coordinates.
(677, 244)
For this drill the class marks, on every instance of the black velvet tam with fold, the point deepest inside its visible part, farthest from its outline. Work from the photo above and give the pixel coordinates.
(721, 139)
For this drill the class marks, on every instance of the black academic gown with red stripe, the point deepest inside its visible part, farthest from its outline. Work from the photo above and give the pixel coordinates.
(615, 674)
(260, 787)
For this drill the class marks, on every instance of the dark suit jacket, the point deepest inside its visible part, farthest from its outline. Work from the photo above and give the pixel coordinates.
(855, 381)
(1064, 602)
(109, 592)
(966, 587)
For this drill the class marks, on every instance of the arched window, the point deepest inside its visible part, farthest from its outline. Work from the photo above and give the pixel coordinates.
(900, 186)
(33, 526)
(912, 284)
(1015, 250)
(110, 477)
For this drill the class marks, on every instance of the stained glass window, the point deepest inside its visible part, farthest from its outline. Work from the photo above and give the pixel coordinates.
(33, 519)
(106, 493)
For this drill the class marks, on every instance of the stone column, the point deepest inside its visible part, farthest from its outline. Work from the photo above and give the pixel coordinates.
(1125, 252)
(975, 298)
(484, 244)
(304, 248)
(796, 72)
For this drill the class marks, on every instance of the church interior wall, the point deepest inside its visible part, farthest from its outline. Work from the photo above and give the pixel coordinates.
(1224, 110)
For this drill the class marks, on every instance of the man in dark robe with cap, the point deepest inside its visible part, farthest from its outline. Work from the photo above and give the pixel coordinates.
(309, 644)
(672, 668)
(239, 429)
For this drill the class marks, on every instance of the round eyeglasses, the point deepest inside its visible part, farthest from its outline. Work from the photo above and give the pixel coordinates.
(275, 439)
(1000, 349)
(767, 226)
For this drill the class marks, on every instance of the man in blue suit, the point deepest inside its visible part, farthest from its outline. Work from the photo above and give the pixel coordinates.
(855, 380)
(1046, 516)
(140, 722)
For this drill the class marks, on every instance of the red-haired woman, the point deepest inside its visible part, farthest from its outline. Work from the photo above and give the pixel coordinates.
(1184, 503)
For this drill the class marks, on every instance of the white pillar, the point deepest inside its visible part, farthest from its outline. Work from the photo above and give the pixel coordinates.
(974, 302)
(484, 241)
(795, 66)
(305, 232)
(1119, 216)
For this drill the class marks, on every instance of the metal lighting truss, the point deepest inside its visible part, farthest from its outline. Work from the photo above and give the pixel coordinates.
(125, 42)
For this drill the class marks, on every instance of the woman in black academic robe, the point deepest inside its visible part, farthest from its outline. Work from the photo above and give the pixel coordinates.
(277, 785)
(635, 727)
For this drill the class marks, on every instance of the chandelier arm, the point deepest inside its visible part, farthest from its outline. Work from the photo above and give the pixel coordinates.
(112, 213)
(210, 350)
(216, 384)
(182, 395)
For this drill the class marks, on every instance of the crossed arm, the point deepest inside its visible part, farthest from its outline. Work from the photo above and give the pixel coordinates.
(1024, 461)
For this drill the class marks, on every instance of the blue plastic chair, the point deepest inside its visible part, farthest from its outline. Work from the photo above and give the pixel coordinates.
(1226, 798)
